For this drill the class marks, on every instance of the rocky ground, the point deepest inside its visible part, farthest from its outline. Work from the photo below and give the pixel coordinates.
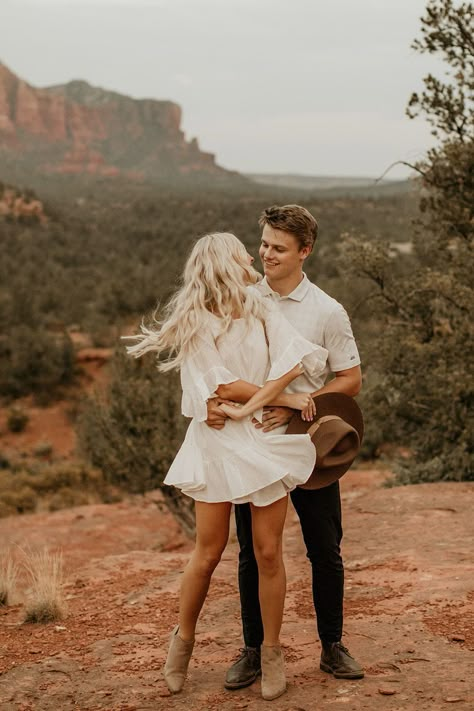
(409, 609)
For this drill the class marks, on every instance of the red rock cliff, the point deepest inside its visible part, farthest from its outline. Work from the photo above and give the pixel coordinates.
(78, 128)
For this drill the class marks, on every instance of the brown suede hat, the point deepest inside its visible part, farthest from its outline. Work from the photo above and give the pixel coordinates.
(336, 432)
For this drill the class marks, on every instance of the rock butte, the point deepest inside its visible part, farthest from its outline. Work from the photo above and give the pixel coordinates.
(76, 128)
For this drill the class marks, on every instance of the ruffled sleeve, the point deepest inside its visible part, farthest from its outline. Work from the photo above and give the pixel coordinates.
(287, 347)
(201, 374)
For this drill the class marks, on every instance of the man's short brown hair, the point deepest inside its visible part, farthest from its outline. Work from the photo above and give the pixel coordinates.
(294, 219)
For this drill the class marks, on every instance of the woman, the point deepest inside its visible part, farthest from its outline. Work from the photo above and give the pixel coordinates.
(222, 336)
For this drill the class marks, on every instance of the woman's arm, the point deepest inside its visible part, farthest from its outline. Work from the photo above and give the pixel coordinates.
(239, 391)
(242, 391)
(263, 396)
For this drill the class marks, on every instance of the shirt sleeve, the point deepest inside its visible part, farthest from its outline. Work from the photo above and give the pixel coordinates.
(340, 342)
(201, 374)
(287, 347)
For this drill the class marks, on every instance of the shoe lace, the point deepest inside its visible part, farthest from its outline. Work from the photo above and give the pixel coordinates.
(247, 652)
(340, 646)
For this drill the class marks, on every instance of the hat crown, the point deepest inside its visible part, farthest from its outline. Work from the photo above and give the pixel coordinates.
(336, 434)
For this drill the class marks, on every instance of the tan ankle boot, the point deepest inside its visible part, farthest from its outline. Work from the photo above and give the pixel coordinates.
(177, 662)
(273, 672)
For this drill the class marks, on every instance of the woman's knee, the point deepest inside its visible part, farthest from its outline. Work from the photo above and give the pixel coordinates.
(207, 559)
(269, 555)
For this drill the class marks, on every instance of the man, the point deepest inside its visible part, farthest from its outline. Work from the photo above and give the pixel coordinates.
(288, 236)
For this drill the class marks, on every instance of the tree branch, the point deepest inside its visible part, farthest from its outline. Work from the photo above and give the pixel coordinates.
(400, 162)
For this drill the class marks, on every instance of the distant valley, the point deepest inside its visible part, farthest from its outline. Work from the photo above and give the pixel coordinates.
(315, 183)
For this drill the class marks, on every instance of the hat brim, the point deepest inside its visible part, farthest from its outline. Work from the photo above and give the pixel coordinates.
(347, 409)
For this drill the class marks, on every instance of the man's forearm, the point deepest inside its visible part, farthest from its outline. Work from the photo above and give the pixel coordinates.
(348, 383)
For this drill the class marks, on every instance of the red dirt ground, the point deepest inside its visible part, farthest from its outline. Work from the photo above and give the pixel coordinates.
(409, 610)
(53, 425)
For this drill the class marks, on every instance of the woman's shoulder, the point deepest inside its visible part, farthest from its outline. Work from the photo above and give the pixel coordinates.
(264, 302)
(211, 325)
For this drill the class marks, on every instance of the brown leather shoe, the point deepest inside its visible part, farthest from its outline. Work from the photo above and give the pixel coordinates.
(245, 670)
(336, 660)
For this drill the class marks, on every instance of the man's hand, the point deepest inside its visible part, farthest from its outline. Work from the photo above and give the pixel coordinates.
(274, 417)
(215, 416)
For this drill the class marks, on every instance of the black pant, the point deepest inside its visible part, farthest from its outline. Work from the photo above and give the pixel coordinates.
(319, 512)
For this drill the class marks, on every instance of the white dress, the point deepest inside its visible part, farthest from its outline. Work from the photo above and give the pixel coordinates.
(240, 463)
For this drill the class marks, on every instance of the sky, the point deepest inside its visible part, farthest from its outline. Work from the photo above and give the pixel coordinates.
(314, 87)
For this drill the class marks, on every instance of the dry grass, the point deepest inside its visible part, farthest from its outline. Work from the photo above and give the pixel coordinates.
(8, 575)
(46, 599)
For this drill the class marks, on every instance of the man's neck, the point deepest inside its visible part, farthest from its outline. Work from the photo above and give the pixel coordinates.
(286, 286)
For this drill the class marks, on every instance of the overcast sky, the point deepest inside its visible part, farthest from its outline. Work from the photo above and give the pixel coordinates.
(317, 87)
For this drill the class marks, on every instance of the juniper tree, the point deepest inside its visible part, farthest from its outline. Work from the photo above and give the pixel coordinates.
(421, 388)
(133, 429)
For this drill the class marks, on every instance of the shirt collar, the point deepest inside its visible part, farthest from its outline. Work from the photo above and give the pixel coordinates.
(297, 294)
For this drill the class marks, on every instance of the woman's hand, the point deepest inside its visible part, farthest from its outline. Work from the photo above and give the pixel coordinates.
(309, 413)
(303, 402)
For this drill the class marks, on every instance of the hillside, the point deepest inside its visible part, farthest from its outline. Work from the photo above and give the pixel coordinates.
(408, 609)
(332, 185)
(78, 129)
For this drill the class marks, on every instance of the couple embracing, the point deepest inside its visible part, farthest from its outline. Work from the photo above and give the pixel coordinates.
(253, 352)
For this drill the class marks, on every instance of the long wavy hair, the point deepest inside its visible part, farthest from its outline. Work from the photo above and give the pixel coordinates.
(215, 281)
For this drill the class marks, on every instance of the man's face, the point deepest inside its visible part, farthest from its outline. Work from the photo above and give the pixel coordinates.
(280, 254)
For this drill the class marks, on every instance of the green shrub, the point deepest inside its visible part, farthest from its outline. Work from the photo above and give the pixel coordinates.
(43, 449)
(133, 431)
(17, 419)
(66, 498)
(59, 484)
(7, 509)
(35, 361)
(19, 499)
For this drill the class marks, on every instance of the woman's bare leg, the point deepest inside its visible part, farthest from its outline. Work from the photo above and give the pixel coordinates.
(212, 533)
(267, 532)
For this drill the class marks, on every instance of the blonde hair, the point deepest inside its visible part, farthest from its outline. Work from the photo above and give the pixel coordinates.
(215, 281)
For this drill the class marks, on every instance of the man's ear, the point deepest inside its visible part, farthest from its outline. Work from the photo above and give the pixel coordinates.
(305, 252)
